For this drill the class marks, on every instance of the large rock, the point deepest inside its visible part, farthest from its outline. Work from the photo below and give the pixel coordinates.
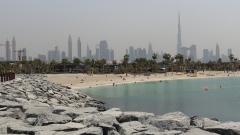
(8, 121)
(106, 122)
(171, 121)
(10, 104)
(73, 112)
(210, 123)
(116, 112)
(197, 121)
(85, 131)
(135, 127)
(36, 129)
(197, 131)
(227, 128)
(46, 119)
(135, 116)
(37, 111)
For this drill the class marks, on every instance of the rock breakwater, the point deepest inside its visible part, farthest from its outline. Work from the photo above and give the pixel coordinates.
(31, 105)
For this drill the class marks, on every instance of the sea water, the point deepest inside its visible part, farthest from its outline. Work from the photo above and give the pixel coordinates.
(221, 100)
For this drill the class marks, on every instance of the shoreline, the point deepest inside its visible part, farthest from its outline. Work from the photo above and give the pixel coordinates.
(84, 81)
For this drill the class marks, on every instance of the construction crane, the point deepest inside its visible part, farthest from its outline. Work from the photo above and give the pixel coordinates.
(20, 54)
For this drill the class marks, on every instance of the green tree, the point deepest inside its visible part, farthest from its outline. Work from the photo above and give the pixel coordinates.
(64, 62)
(166, 60)
(76, 62)
(51, 65)
(154, 57)
(125, 62)
(102, 63)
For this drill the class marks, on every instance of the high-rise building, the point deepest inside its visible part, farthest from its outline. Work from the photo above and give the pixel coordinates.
(30, 58)
(70, 48)
(14, 49)
(97, 56)
(127, 52)
(54, 55)
(8, 51)
(131, 54)
(217, 52)
(150, 51)
(111, 55)
(193, 52)
(88, 53)
(42, 57)
(103, 46)
(79, 48)
(179, 40)
(205, 58)
(24, 54)
(229, 51)
(63, 55)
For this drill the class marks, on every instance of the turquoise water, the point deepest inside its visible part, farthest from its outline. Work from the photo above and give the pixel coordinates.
(221, 100)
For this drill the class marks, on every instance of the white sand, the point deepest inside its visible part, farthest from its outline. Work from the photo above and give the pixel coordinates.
(80, 81)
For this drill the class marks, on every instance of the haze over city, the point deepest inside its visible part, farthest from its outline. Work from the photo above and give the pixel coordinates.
(39, 26)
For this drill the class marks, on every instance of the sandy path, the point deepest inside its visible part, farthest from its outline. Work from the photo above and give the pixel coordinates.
(80, 81)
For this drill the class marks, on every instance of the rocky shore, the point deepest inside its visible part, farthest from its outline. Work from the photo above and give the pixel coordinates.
(34, 106)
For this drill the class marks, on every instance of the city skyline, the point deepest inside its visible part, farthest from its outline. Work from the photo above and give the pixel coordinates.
(202, 23)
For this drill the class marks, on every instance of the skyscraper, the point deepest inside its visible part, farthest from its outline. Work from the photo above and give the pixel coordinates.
(79, 48)
(54, 55)
(8, 51)
(111, 55)
(24, 54)
(63, 55)
(14, 49)
(179, 40)
(205, 58)
(70, 48)
(103, 46)
(131, 54)
(150, 51)
(88, 53)
(217, 52)
(229, 51)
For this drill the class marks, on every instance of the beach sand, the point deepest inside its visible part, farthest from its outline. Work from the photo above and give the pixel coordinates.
(81, 81)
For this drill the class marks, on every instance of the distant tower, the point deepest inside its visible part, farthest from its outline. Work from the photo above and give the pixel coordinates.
(179, 40)
(63, 55)
(150, 51)
(69, 48)
(8, 51)
(131, 54)
(79, 48)
(24, 54)
(103, 46)
(217, 52)
(88, 53)
(111, 54)
(229, 51)
(14, 49)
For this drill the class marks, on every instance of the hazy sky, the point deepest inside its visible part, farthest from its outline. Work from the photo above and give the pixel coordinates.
(38, 25)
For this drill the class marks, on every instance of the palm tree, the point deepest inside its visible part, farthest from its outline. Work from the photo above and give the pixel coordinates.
(87, 64)
(102, 63)
(125, 61)
(64, 63)
(166, 58)
(51, 65)
(231, 57)
(76, 62)
(154, 57)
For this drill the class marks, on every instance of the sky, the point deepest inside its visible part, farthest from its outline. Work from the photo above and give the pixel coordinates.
(40, 25)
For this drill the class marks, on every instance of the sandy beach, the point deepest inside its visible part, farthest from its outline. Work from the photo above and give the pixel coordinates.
(81, 81)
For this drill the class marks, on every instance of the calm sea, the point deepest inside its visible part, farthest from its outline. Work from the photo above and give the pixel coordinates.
(221, 100)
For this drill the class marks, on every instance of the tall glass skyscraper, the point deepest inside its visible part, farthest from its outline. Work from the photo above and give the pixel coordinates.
(70, 48)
